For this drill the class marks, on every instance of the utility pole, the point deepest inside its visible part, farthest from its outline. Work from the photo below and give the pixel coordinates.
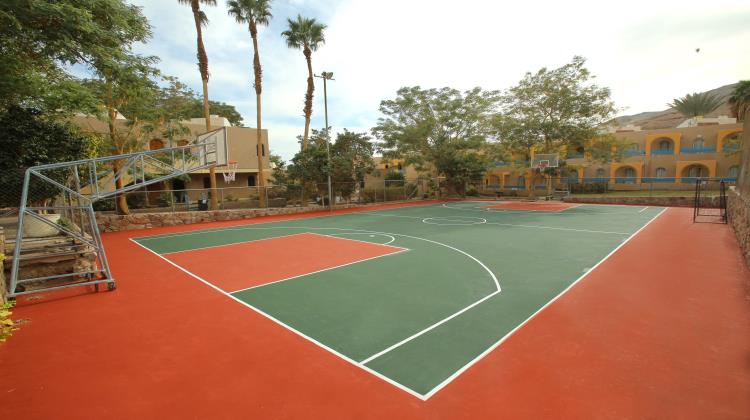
(326, 76)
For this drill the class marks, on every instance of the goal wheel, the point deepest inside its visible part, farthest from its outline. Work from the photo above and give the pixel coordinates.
(111, 286)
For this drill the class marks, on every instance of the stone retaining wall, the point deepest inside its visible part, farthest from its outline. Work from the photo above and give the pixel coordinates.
(738, 208)
(639, 201)
(114, 222)
(3, 285)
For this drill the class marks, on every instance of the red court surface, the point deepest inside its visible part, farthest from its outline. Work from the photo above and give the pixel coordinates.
(531, 206)
(659, 330)
(244, 265)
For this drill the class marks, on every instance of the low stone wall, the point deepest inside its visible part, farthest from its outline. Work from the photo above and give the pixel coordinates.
(114, 222)
(639, 201)
(738, 208)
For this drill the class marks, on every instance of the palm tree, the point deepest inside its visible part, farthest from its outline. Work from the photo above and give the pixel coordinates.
(697, 104)
(254, 13)
(201, 21)
(307, 35)
(740, 100)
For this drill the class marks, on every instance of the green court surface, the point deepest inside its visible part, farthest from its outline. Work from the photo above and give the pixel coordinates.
(417, 318)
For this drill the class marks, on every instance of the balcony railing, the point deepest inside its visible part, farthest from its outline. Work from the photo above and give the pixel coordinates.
(662, 152)
(633, 152)
(730, 148)
(575, 156)
(707, 149)
(663, 180)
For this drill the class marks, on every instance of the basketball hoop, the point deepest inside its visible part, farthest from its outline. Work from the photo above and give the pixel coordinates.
(229, 172)
(543, 161)
(543, 165)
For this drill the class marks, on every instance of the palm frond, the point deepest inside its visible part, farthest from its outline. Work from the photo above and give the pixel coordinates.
(243, 11)
(304, 31)
(697, 104)
(740, 100)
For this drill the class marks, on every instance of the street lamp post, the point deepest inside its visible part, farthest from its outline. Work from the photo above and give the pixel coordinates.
(326, 76)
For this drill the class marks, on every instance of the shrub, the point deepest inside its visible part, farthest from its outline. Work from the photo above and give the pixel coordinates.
(472, 192)
(592, 188)
(6, 324)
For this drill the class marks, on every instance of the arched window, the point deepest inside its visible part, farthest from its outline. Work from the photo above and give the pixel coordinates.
(600, 173)
(696, 172)
(698, 142)
(734, 171)
(521, 181)
(665, 145)
(661, 172)
(155, 144)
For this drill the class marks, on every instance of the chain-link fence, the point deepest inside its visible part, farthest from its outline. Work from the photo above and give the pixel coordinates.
(622, 186)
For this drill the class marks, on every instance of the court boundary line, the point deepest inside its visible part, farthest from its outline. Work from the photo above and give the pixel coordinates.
(571, 206)
(232, 243)
(489, 350)
(287, 327)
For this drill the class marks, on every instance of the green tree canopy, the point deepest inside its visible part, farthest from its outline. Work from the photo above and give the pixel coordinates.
(441, 131)
(38, 38)
(740, 100)
(217, 108)
(553, 108)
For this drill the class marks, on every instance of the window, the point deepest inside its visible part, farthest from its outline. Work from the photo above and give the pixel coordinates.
(206, 182)
(521, 181)
(633, 146)
(661, 172)
(155, 144)
(734, 171)
(251, 180)
(698, 142)
(600, 173)
(263, 149)
(696, 172)
(665, 145)
(629, 175)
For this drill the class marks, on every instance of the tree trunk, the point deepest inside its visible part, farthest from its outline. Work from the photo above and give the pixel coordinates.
(121, 202)
(203, 67)
(259, 138)
(308, 96)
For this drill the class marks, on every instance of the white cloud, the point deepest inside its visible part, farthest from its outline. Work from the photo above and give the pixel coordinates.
(644, 50)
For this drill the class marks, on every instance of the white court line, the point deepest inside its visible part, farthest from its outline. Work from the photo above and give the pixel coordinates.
(505, 337)
(237, 243)
(301, 334)
(336, 235)
(500, 224)
(364, 242)
(641, 210)
(321, 270)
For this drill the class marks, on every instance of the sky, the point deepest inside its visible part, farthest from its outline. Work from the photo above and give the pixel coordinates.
(644, 51)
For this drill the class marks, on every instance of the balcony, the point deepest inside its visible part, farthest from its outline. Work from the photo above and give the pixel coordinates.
(632, 153)
(574, 156)
(664, 180)
(706, 149)
(662, 152)
(730, 148)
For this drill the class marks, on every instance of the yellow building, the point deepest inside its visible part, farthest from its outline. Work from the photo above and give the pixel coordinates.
(669, 158)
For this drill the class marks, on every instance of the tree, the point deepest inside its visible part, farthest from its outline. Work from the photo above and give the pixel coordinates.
(697, 104)
(739, 100)
(29, 138)
(278, 165)
(218, 108)
(200, 19)
(307, 35)
(40, 38)
(254, 13)
(553, 109)
(442, 131)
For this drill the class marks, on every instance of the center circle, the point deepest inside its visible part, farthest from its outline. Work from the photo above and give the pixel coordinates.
(454, 221)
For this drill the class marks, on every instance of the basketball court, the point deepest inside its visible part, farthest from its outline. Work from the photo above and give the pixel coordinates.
(409, 311)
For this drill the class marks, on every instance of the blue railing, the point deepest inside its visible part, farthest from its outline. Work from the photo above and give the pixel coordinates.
(730, 148)
(707, 149)
(599, 180)
(574, 156)
(632, 152)
(626, 180)
(662, 152)
(665, 180)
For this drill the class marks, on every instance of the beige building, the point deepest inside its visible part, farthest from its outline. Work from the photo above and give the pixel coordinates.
(242, 148)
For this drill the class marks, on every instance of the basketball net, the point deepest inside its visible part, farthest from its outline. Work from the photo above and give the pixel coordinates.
(543, 165)
(229, 172)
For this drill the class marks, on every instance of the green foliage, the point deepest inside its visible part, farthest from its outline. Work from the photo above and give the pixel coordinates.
(304, 33)
(443, 131)
(392, 175)
(697, 104)
(553, 108)
(589, 188)
(28, 138)
(739, 100)
(38, 38)
(279, 173)
(6, 324)
(195, 110)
